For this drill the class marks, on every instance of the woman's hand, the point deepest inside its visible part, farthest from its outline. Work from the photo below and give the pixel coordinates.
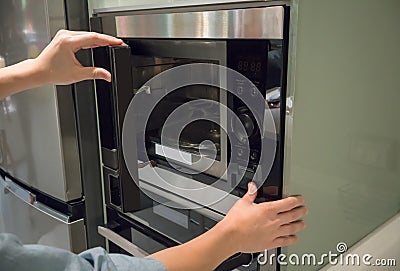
(248, 227)
(59, 64)
(259, 227)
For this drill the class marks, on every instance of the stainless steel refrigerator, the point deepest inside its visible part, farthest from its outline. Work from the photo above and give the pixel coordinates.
(50, 183)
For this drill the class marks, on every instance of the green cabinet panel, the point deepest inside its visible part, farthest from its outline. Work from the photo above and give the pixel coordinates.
(343, 140)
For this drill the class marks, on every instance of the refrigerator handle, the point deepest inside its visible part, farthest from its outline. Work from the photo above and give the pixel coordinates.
(30, 199)
(122, 242)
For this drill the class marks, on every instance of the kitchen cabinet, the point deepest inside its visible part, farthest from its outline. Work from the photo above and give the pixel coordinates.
(343, 138)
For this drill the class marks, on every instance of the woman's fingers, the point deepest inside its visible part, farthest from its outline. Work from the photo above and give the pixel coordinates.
(251, 192)
(291, 228)
(92, 40)
(292, 215)
(58, 61)
(91, 73)
(285, 241)
(71, 33)
(286, 204)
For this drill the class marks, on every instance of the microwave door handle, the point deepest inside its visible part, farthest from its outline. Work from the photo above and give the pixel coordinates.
(122, 81)
(122, 242)
(112, 98)
(122, 86)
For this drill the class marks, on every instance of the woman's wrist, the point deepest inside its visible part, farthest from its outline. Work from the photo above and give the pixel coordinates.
(229, 233)
(29, 74)
(22, 76)
(38, 73)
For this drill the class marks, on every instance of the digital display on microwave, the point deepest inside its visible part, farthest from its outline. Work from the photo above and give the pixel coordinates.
(251, 66)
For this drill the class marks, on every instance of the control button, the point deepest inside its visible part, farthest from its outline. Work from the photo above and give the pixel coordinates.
(248, 124)
(240, 90)
(240, 152)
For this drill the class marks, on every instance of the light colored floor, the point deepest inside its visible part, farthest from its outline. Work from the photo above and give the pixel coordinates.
(383, 243)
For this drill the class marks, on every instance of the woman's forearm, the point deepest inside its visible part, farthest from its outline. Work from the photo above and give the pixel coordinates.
(19, 77)
(203, 253)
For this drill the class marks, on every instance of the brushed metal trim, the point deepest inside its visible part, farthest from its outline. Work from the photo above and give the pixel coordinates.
(220, 24)
(188, 4)
(122, 242)
(69, 143)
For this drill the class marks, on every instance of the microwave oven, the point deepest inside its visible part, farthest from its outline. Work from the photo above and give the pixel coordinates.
(195, 110)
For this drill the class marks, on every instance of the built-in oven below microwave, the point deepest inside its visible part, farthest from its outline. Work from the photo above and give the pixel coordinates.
(195, 110)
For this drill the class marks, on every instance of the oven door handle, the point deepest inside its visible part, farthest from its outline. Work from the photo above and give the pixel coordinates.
(122, 242)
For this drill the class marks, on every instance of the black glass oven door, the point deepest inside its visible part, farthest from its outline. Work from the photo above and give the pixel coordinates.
(196, 157)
